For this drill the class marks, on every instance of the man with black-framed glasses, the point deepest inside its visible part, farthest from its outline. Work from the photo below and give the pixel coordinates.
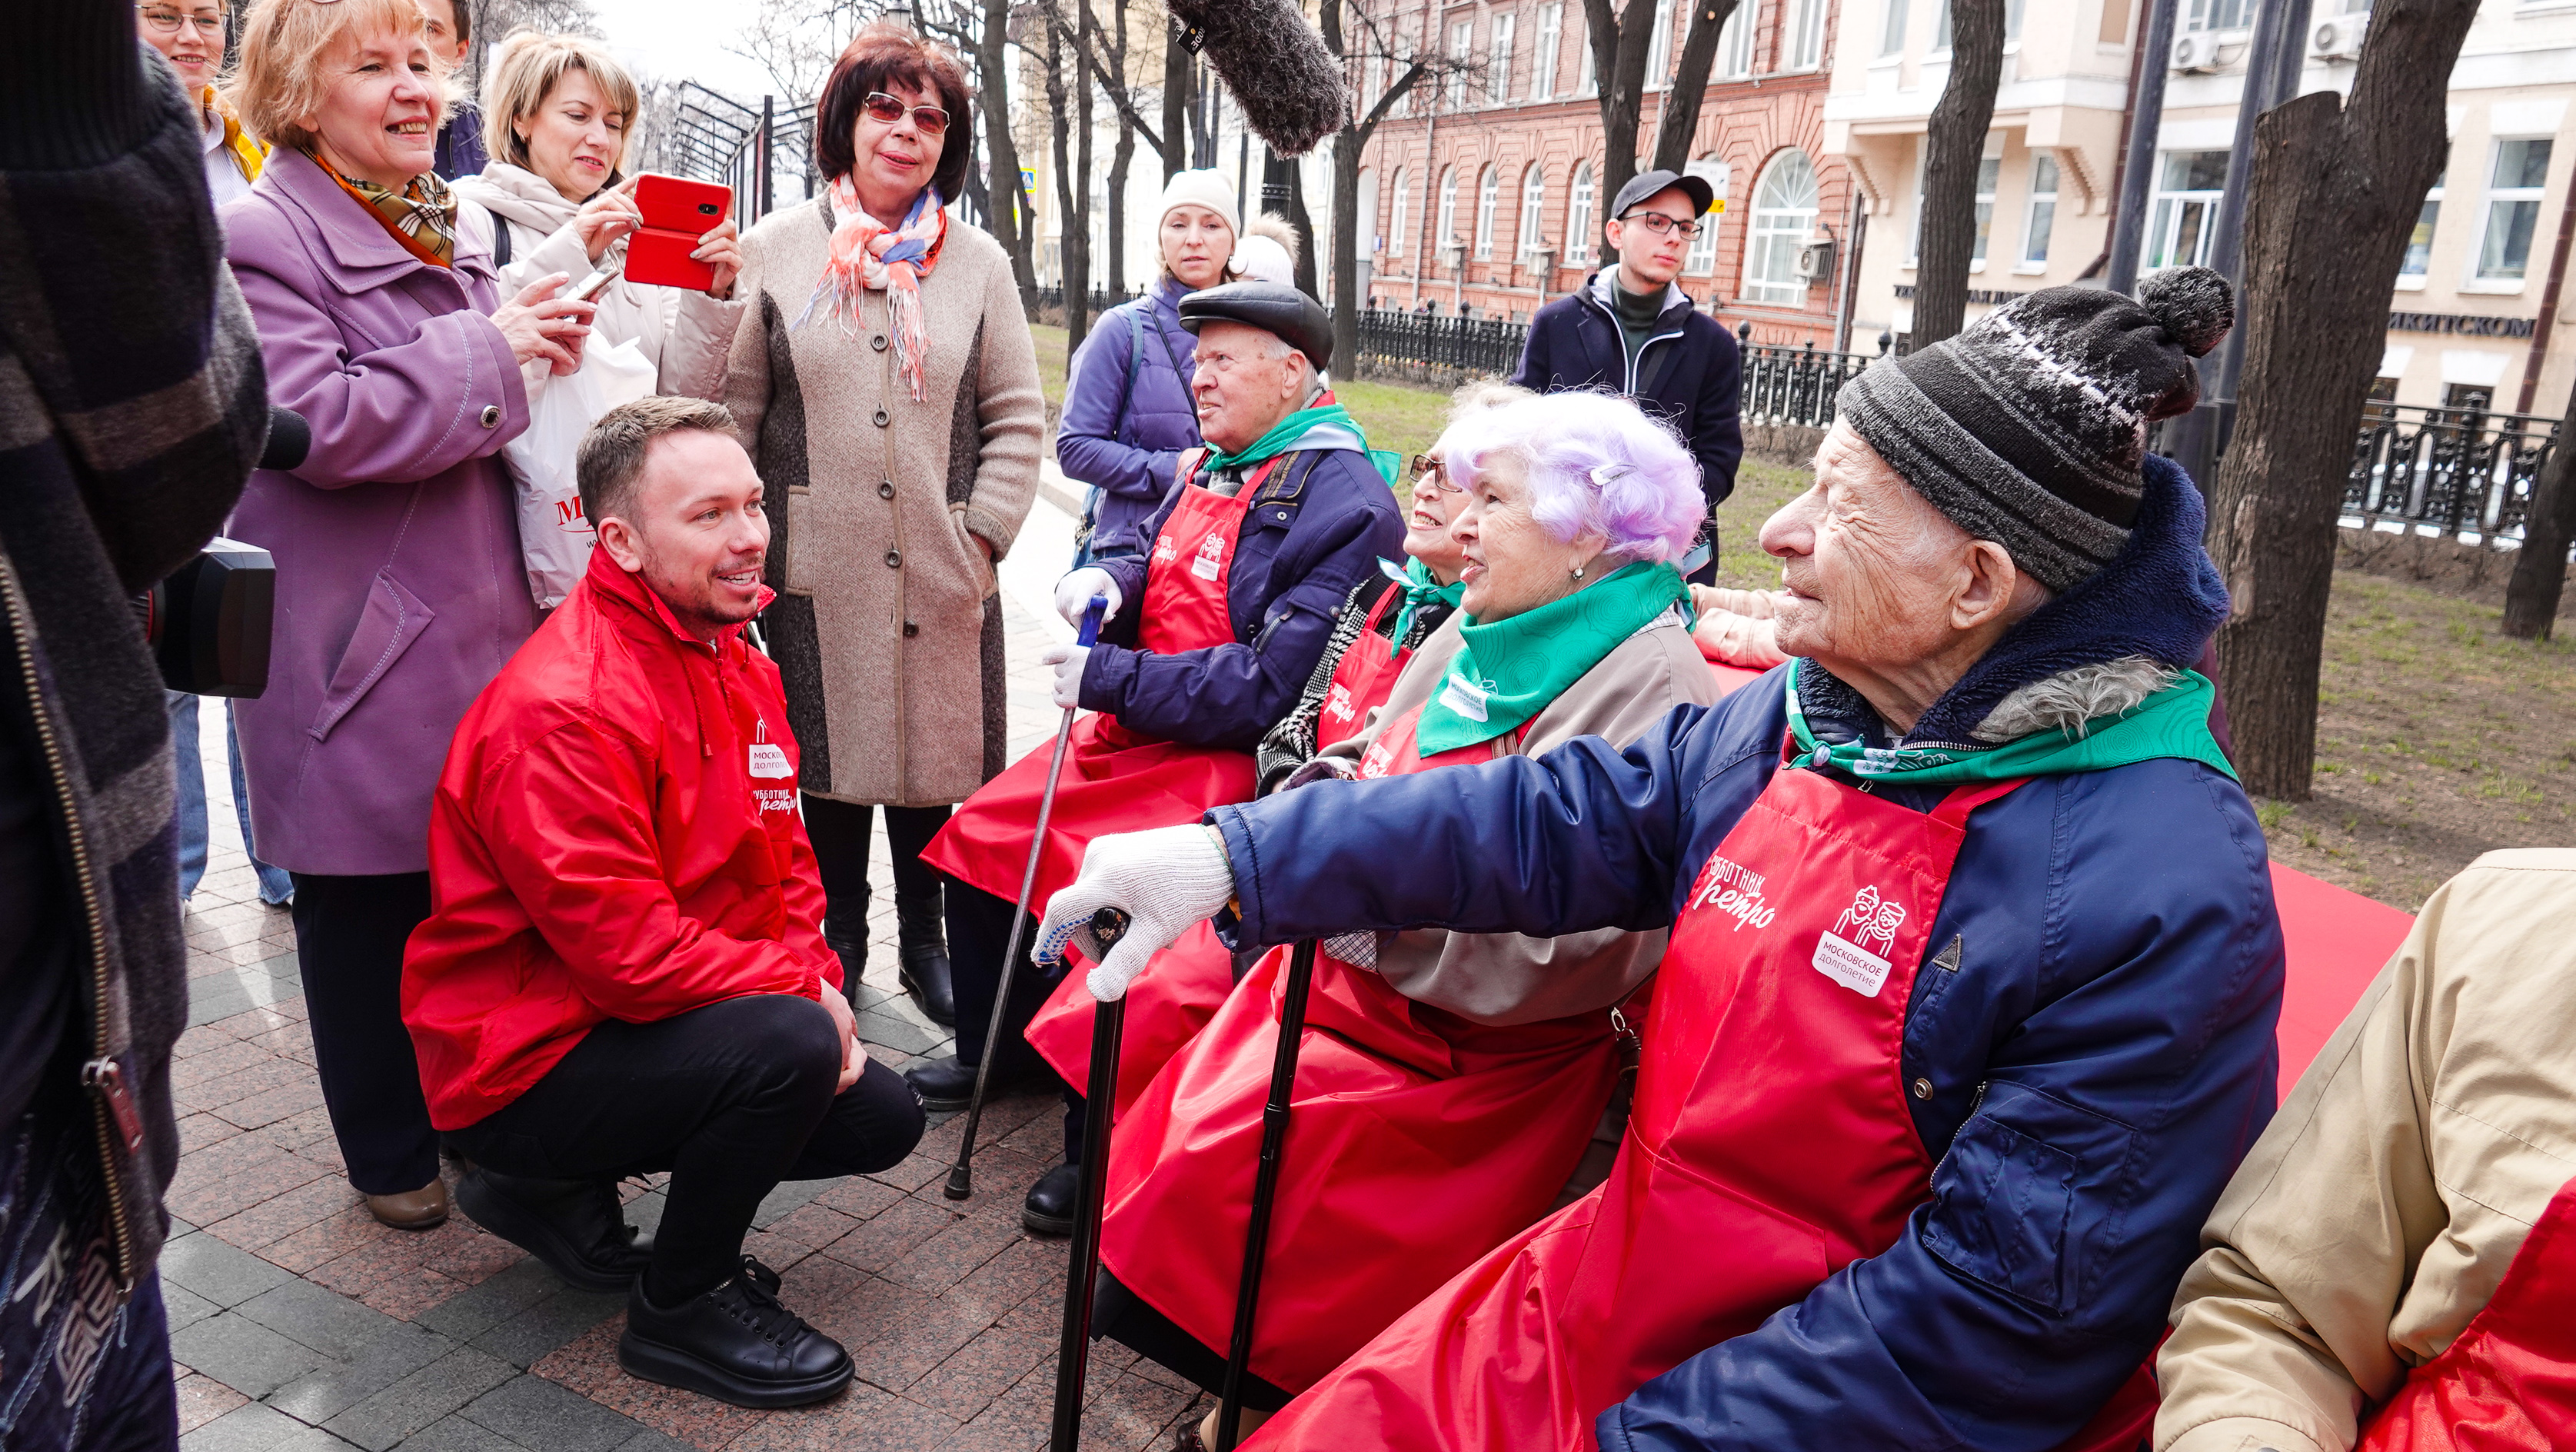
(1631, 329)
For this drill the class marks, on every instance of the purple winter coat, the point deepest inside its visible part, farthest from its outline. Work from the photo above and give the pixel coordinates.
(400, 589)
(1128, 414)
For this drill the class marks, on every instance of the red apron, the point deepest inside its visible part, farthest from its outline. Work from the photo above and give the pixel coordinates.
(1116, 780)
(2508, 1384)
(1361, 678)
(1790, 968)
(1419, 1141)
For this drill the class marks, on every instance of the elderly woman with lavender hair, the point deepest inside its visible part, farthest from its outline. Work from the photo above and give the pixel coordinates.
(1453, 1085)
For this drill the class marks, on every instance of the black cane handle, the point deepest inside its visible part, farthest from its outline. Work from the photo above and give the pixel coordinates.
(1107, 926)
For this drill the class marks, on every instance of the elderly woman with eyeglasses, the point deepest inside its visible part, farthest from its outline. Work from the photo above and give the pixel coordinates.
(1451, 1084)
(885, 383)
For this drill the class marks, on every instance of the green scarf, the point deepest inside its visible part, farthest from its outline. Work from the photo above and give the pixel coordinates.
(1285, 435)
(1509, 671)
(1419, 590)
(2173, 722)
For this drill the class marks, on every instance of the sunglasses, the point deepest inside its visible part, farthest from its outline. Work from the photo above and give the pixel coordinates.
(928, 120)
(1430, 473)
(168, 21)
(1659, 224)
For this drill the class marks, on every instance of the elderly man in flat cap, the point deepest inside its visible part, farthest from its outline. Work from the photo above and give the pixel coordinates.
(1209, 636)
(1968, 1007)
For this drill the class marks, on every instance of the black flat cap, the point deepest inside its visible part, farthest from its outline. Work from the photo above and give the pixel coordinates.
(1273, 307)
(1645, 184)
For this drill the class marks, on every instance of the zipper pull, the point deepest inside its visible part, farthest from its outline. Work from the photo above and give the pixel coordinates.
(106, 1079)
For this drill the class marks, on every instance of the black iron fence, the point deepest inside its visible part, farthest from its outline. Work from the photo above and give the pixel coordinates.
(1785, 385)
(1450, 344)
(2462, 473)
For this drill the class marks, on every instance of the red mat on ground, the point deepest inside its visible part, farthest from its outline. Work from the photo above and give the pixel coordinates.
(2338, 941)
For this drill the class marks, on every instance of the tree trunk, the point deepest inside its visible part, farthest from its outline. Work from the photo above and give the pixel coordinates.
(2540, 566)
(1176, 101)
(1348, 145)
(1065, 115)
(1304, 222)
(1954, 150)
(1013, 223)
(1619, 45)
(1119, 159)
(2333, 194)
(1680, 120)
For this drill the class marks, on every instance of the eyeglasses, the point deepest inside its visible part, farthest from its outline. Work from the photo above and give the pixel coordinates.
(928, 120)
(167, 21)
(1659, 224)
(1430, 473)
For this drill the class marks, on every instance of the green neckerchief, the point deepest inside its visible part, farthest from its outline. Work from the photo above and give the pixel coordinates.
(1419, 590)
(1509, 671)
(2174, 722)
(1284, 435)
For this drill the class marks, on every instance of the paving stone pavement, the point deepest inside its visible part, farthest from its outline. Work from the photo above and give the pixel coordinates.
(298, 1324)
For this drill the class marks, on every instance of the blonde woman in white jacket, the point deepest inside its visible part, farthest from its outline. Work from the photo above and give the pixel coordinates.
(557, 111)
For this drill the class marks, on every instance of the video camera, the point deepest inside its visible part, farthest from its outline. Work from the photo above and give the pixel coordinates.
(208, 624)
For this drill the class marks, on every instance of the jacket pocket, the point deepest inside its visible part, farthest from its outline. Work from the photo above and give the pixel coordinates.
(988, 582)
(393, 619)
(2004, 1211)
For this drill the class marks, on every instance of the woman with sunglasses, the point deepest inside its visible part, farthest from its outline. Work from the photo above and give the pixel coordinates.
(885, 383)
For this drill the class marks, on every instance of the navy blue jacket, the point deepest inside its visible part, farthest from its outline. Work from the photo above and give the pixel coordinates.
(1311, 534)
(1574, 342)
(2099, 1060)
(1128, 414)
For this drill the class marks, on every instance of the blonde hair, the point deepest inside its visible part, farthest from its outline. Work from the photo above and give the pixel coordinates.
(527, 68)
(279, 78)
(1278, 229)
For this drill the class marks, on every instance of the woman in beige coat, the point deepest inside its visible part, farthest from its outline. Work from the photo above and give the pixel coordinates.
(885, 383)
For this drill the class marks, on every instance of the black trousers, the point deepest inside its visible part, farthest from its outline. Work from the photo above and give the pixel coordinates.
(349, 936)
(1128, 1319)
(979, 929)
(840, 833)
(731, 1099)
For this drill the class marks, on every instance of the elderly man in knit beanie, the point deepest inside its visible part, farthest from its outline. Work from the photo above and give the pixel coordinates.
(1966, 1014)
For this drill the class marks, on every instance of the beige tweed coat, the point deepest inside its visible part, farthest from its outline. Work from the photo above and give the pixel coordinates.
(888, 625)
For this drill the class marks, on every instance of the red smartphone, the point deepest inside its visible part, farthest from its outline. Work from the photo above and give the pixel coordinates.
(677, 212)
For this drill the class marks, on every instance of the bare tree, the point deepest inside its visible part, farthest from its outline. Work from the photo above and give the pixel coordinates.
(2332, 197)
(1180, 76)
(1014, 220)
(1689, 86)
(1069, 119)
(796, 41)
(1954, 149)
(2540, 566)
(1620, 41)
(491, 21)
(1362, 44)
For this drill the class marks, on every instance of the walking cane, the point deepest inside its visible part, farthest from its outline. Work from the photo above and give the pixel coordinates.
(1082, 1271)
(961, 1176)
(1265, 1186)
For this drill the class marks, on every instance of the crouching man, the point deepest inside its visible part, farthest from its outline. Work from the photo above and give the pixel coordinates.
(623, 971)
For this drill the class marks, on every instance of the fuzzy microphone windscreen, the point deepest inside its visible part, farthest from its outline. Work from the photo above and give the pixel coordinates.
(1274, 61)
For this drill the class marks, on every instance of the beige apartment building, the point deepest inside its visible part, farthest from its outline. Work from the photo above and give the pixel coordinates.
(2476, 314)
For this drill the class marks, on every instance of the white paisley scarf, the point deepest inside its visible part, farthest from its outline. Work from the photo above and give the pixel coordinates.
(865, 253)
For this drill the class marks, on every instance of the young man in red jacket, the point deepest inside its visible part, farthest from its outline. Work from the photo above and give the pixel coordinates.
(623, 971)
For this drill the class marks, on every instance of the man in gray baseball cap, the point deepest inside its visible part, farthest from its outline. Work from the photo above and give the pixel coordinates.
(1630, 328)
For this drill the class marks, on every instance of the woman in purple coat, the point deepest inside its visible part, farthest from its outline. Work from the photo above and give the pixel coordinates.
(400, 590)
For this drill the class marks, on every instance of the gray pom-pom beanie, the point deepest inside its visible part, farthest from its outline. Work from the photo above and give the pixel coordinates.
(2027, 428)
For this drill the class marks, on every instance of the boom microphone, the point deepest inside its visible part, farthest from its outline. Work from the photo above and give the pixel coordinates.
(290, 438)
(1274, 61)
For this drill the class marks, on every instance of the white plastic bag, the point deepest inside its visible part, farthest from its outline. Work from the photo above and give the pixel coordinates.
(553, 535)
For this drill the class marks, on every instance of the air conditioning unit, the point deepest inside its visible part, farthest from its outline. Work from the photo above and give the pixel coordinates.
(2195, 54)
(1816, 261)
(2338, 38)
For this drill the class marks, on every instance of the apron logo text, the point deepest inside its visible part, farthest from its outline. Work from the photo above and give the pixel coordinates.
(1735, 891)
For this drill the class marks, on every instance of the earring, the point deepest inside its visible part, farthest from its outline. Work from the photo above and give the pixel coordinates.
(1577, 572)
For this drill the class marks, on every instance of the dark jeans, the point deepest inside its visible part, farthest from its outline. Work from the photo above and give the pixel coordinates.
(731, 1099)
(840, 833)
(349, 936)
(979, 929)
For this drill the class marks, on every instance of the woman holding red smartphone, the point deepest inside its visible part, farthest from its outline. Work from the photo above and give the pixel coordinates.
(557, 113)
(884, 380)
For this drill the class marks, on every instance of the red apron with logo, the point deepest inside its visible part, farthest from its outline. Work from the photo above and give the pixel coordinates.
(1419, 1141)
(1361, 678)
(2508, 1384)
(1116, 780)
(1790, 968)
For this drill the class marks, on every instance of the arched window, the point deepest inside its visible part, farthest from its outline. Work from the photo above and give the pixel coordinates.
(1784, 214)
(1533, 197)
(1448, 228)
(1578, 218)
(1702, 260)
(1487, 187)
(1395, 232)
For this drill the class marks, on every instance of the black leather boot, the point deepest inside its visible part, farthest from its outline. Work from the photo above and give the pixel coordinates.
(735, 1343)
(946, 1086)
(845, 932)
(923, 942)
(577, 1227)
(1049, 1208)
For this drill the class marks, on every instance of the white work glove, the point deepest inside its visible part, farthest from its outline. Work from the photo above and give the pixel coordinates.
(1068, 661)
(1163, 880)
(1073, 595)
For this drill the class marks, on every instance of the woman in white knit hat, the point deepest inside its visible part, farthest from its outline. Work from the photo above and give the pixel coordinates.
(1128, 415)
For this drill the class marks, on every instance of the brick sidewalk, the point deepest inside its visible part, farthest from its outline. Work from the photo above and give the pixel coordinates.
(300, 1324)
